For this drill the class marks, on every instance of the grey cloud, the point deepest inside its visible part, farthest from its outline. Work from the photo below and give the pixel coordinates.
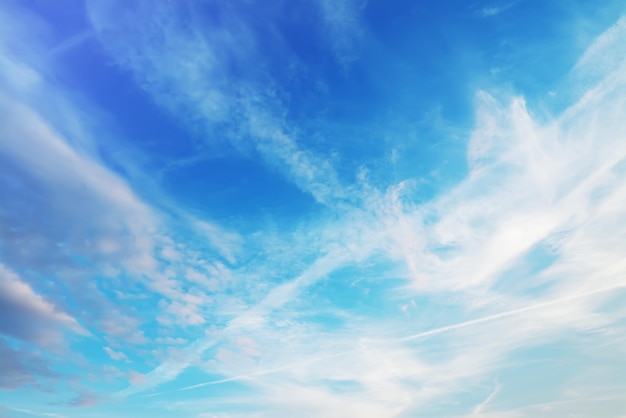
(64, 218)
(69, 206)
(84, 399)
(19, 367)
(28, 316)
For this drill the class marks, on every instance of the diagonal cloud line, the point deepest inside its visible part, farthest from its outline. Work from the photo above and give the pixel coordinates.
(275, 299)
(261, 372)
(421, 335)
(40, 414)
(72, 42)
(477, 411)
(513, 312)
(573, 401)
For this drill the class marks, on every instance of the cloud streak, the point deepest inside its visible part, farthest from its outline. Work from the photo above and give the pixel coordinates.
(528, 186)
(28, 316)
(376, 300)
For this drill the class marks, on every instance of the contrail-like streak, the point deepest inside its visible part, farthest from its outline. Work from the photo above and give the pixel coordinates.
(413, 337)
(278, 297)
(262, 372)
(513, 312)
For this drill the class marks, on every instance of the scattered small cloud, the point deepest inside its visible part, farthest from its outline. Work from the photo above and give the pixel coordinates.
(83, 400)
(116, 355)
(21, 366)
(494, 10)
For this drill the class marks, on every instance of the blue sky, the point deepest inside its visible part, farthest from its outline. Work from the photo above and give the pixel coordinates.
(312, 209)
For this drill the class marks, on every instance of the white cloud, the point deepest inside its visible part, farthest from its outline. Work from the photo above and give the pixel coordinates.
(227, 243)
(533, 184)
(345, 28)
(116, 355)
(248, 114)
(605, 55)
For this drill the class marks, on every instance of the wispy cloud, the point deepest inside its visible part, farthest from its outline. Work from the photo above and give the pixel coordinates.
(494, 10)
(116, 355)
(345, 28)
(38, 414)
(69, 222)
(245, 110)
(378, 303)
(531, 184)
(72, 42)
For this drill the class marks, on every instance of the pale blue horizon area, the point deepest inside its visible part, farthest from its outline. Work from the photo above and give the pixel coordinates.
(312, 209)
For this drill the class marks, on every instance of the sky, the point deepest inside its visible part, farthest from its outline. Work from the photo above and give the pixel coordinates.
(312, 208)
